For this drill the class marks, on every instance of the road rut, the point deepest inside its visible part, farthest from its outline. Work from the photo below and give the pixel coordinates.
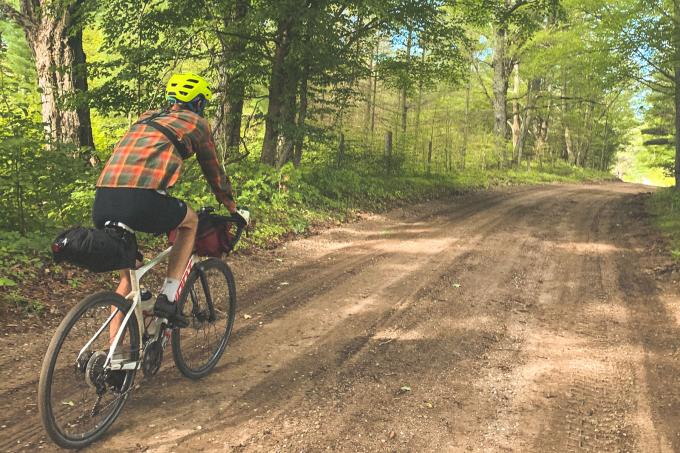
(528, 319)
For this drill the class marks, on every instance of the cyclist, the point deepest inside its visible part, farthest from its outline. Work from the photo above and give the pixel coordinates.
(146, 162)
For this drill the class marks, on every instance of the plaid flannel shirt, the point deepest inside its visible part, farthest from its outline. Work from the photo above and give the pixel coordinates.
(145, 159)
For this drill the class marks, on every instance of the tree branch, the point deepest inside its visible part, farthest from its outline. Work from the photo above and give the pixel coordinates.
(655, 86)
(505, 15)
(479, 77)
(10, 13)
(658, 68)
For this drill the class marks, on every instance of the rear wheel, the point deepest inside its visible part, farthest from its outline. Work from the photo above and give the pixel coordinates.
(208, 300)
(78, 397)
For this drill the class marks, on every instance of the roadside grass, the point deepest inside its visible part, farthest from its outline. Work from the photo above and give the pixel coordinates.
(283, 202)
(664, 205)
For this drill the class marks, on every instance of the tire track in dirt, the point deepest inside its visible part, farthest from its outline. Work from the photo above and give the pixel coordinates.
(384, 293)
(575, 390)
(503, 321)
(359, 344)
(335, 267)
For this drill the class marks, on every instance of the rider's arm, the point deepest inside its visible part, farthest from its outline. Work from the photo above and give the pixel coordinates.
(207, 158)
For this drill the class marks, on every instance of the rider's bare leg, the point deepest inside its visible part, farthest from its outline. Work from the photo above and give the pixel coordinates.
(184, 245)
(179, 256)
(124, 288)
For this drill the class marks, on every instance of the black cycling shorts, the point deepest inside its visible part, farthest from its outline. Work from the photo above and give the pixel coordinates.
(141, 209)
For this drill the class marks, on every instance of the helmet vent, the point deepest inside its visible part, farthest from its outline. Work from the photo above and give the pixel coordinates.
(187, 87)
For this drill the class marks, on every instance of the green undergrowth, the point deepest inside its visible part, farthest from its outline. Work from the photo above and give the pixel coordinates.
(290, 200)
(282, 202)
(664, 205)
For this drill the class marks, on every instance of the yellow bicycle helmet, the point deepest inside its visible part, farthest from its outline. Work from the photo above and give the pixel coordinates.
(185, 87)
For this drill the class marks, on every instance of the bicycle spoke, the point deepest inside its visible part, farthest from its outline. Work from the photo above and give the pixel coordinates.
(208, 303)
(82, 393)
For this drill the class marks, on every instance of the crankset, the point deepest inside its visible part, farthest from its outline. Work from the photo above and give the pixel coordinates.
(153, 357)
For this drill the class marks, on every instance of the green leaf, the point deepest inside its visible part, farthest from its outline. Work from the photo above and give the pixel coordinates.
(7, 282)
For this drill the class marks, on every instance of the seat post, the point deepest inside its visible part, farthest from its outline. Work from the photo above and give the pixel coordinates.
(134, 286)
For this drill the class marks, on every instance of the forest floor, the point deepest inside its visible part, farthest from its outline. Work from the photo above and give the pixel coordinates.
(539, 319)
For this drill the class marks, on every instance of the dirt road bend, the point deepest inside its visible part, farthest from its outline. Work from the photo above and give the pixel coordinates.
(543, 319)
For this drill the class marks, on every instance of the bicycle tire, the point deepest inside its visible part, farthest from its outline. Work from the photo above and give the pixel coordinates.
(45, 406)
(210, 265)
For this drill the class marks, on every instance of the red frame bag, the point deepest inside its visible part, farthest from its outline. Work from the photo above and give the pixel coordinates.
(213, 237)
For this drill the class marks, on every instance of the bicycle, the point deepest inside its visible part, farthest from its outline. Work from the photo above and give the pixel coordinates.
(99, 368)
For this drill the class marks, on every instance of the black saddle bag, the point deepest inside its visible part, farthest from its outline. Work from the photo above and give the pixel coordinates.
(104, 250)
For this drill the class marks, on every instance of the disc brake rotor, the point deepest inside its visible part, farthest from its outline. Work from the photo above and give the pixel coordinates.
(94, 371)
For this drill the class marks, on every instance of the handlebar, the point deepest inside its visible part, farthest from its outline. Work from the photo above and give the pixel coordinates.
(237, 220)
(240, 227)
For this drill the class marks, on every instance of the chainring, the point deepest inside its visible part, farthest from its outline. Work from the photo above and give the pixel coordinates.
(153, 357)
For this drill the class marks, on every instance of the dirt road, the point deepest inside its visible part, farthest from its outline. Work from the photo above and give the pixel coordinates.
(532, 319)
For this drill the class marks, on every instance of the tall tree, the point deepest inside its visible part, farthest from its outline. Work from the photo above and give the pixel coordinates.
(231, 74)
(54, 33)
(513, 24)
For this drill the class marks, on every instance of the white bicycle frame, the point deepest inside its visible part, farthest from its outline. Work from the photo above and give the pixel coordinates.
(136, 276)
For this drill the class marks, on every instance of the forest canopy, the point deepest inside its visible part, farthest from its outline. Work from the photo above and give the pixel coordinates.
(322, 101)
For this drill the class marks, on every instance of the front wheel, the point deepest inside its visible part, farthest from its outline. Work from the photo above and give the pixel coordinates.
(78, 397)
(208, 300)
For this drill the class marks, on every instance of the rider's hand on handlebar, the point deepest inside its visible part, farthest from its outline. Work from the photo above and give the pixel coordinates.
(243, 215)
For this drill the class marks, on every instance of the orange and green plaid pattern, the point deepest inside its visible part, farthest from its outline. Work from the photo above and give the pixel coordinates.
(145, 159)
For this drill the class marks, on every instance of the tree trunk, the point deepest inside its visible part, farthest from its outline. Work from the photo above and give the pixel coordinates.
(605, 145)
(404, 89)
(57, 45)
(447, 144)
(277, 88)
(80, 86)
(500, 91)
(341, 150)
(287, 133)
(466, 127)
(528, 118)
(375, 92)
(542, 134)
(584, 145)
(676, 76)
(569, 152)
(388, 150)
(516, 114)
(228, 133)
(369, 94)
(568, 149)
(301, 118)
(418, 108)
